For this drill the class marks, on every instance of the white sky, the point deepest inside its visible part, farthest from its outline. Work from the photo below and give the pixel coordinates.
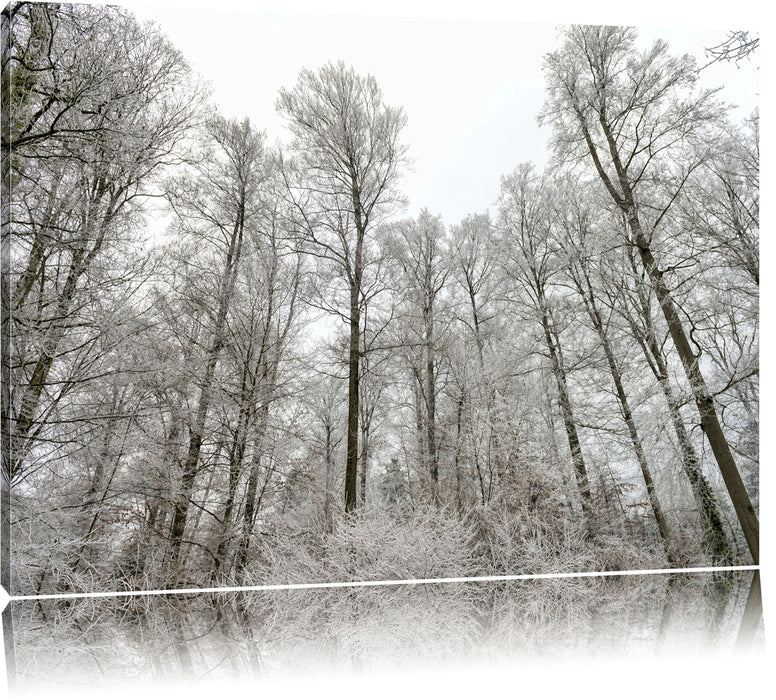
(467, 74)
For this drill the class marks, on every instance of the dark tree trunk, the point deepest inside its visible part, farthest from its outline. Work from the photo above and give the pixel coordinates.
(252, 499)
(351, 463)
(328, 516)
(457, 459)
(236, 454)
(364, 462)
(354, 352)
(753, 614)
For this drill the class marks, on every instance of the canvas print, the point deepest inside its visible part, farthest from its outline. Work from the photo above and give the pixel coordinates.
(294, 299)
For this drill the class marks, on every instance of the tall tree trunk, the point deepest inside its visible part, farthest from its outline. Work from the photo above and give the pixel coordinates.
(328, 517)
(252, 499)
(351, 462)
(354, 358)
(592, 311)
(236, 454)
(364, 460)
(753, 614)
(714, 537)
(558, 369)
(433, 464)
(420, 434)
(494, 441)
(223, 544)
(457, 458)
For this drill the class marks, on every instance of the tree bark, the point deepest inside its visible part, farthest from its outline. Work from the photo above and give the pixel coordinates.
(252, 500)
(364, 460)
(753, 614)
(351, 463)
(459, 404)
(236, 454)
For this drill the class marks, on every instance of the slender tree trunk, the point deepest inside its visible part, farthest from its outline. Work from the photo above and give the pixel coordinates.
(558, 369)
(354, 351)
(457, 458)
(252, 502)
(248, 512)
(595, 317)
(420, 434)
(351, 462)
(493, 441)
(354, 364)
(328, 519)
(236, 454)
(430, 392)
(753, 614)
(223, 544)
(364, 459)
(150, 527)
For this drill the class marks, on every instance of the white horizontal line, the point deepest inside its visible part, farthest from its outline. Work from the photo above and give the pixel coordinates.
(364, 584)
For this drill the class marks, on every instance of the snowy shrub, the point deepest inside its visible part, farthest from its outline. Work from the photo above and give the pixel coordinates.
(370, 546)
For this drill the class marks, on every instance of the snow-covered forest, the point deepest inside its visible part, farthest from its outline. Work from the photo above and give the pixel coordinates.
(229, 359)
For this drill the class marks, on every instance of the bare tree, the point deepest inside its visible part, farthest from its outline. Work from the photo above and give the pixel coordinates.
(631, 299)
(646, 132)
(530, 262)
(347, 160)
(99, 105)
(218, 206)
(575, 234)
(420, 251)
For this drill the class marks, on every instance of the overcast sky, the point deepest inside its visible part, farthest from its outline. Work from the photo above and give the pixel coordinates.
(468, 76)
